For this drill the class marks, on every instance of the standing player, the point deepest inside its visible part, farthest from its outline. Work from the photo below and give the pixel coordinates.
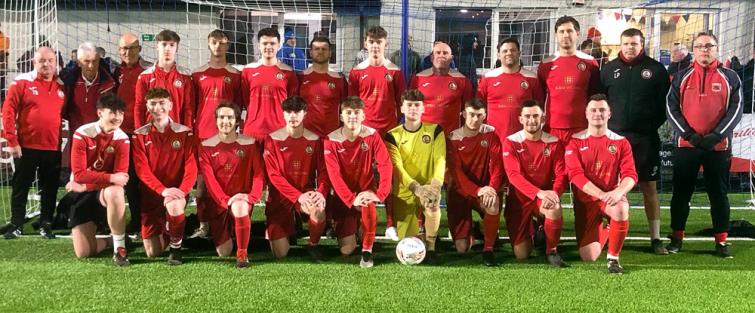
(349, 153)
(446, 90)
(704, 106)
(418, 153)
(505, 89)
(378, 82)
(234, 176)
(166, 74)
(601, 166)
(322, 89)
(636, 85)
(163, 153)
(569, 77)
(293, 158)
(534, 163)
(475, 176)
(264, 86)
(99, 165)
(213, 82)
(31, 125)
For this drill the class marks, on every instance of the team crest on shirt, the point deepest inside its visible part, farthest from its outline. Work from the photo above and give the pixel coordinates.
(227, 80)
(98, 164)
(309, 149)
(331, 85)
(240, 153)
(178, 83)
(452, 86)
(524, 84)
(388, 77)
(279, 76)
(61, 95)
(484, 143)
(581, 66)
(547, 152)
(110, 149)
(426, 138)
(176, 144)
(716, 87)
(364, 146)
(646, 74)
(612, 149)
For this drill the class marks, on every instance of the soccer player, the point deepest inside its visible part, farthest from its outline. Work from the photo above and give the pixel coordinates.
(475, 175)
(163, 153)
(234, 176)
(349, 155)
(99, 166)
(378, 82)
(447, 90)
(264, 86)
(505, 89)
(534, 163)
(167, 75)
(213, 82)
(569, 77)
(418, 153)
(293, 157)
(600, 164)
(85, 84)
(636, 86)
(322, 89)
(704, 106)
(31, 124)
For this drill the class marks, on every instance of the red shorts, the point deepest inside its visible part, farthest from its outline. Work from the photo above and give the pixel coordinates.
(588, 220)
(221, 222)
(152, 214)
(460, 214)
(281, 218)
(564, 134)
(518, 215)
(346, 220)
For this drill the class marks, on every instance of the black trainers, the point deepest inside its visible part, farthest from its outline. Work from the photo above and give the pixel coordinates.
(120, 259)
(555, 259)
(614, 267)
(722, 250)
(45, 230)
(658, 248)
(315, 253)
(488, 258)
(674, 246)
(174, 256)
(242, 261)
(366, 261)
(13, 232)
(431, 258)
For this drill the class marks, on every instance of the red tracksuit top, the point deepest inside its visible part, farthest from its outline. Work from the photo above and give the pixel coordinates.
(294, 166)
(126, 77)
(231, 168)
(349, 164)
(323, 93)
(177, 82)
(380, 87)
(445, 95)
(82, 104)
(95, 155)
(212, 85)
(474, 162)
(504, 93)
(165, 160)
(569, 81)
(532, 166)
(32, 112)
(263, 89)
(603, 160)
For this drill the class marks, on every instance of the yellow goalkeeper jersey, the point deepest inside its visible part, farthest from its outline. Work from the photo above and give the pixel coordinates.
(417, 156)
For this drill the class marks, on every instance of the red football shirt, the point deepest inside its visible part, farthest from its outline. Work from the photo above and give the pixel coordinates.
(211, 86)
(294, 166)
(349, 164)
(323, 93)
(532, 166)
(380, 87)
(445, 95)
(95, 155)
(474, 161)
(504, 93)
(126, 77)
(569, 81)
(231, 168)
(263, 89)
(32, 112)
(177, 82)
(165, 160)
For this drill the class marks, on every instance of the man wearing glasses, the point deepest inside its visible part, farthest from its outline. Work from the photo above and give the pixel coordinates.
(704, 105)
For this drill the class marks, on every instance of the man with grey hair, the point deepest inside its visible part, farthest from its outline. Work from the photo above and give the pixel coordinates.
(680, 59)
(84, 85)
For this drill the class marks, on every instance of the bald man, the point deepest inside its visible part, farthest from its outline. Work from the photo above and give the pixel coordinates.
(125, 76)
(31, 118)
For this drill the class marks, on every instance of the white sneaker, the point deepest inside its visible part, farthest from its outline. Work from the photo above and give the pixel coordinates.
(391, 233)
(201, 232)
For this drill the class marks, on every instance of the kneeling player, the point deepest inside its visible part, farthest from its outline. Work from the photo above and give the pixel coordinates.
(232, 167)
(475, 176)
(349, 153)
(293, 155)
(601, 166)
(99, 170)
(418, 153)
(163, 154)
(534, 163)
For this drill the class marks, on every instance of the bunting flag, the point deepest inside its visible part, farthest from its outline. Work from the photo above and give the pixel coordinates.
(642, 20)
(685, 17)
(627, 17)
(675, 19)
(617, 15)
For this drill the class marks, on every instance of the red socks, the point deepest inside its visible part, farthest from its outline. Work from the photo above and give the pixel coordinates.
(243, 228)
(315, 231)
(369, 226)
(678, 234)
(176, 229)
(552, 230)
(721, 237)
(490, 224)
(617, 233)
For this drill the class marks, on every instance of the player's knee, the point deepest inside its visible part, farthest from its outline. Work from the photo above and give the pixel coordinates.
(176, 207)
(588, 254)
(82, 252)
(432, 212)
(621, 212)
(225, 249)
(115, 194)
(347, 245)
(553, 214)
(462, 245)
(492, 210)
(240, 208)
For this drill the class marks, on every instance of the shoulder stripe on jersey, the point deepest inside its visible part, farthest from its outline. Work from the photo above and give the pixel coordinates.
(120, 135)
(284, 66)
(517, 137)
(143, 130)
(253, 65)
(179, 128)
(487, 128)
(183, 71)
(527, 73)
(28, 76)
(456, 73)
(580, 135)
(613, 136)
(201, 68)
(279, 135)
(438, 131)
(148, 70)
(211, 142)
(336, 135)
(231, 69)
(309, 135)
(144, 63)
(366, 131)
(456, 134)
(548, 138)
(244, 140)
(425, 73)
(390, 139)
(583, 55)
(494, 72)
(390, 65)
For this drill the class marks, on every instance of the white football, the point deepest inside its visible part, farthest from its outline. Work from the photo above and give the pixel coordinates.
(410, 251)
